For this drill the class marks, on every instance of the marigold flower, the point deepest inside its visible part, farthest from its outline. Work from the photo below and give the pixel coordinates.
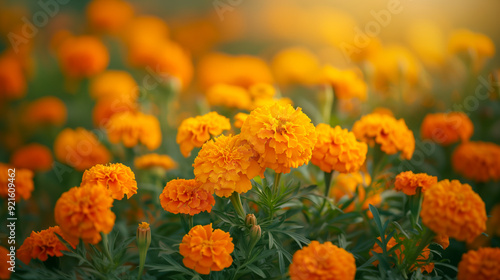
(34, 156)
(347, 183)
(82, 56)
(155, 160)
(143, 35)
(132, 128)
(454, 209)
(392, 135)
(117, 178)
(322, 261)
(48, 110)
(239, 119)
(40, 245)
(483, 264)
(337, 149)
(84, 213)
(447, 129)
(13, 80)
(4, 265)
(284, 137)
(205, 249)
(186, 197)
(80, 149)
(478, 161)
(295, 65)
(226, 165)
(193, 132)
(23, 182)
(408, 182)
(346, 84)
(105, 108)
(383, 111)
(443, 240)
(261, 102)
(171, 59)
(114, 84)
(478, 45)
(109, 16)
(228, 96)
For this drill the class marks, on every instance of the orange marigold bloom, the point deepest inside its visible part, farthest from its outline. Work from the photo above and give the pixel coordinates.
(239, 119)
(228, 96)
(48, 110)
(172, 60)
(84, 213)
(226, 165)
(345, 184)
(205, 249)
(295, 65)
(82, 56)
(478, 161)
(34, 156)
(446, 129)
(80, 149)
(194, 132)
(133, 128)
(117, 178)
(483, 264)
(12, 78)
(392, 135)
(109, 16)
(114, 84)
(186, 197)
(337, 149)
(408, 182)
(40, 245)
(284, 137)
(4, 265)
(443, 240)
(105, 108)
(23, 182)
(454, 209)
(155, 160)
(322, 261)
(346, 84)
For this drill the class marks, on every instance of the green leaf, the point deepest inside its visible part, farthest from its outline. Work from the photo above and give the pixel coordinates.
(256, 270)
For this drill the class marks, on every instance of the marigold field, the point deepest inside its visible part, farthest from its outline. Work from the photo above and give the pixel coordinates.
(226, 139)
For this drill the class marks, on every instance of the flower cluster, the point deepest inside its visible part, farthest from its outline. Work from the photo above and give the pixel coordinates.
(408, 182)
(116, 178)
(186, 197)
(478, 161)
(132, 128)
(447, 129)
(40, 245)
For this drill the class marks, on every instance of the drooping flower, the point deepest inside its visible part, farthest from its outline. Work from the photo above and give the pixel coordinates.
(392, 135)
(132, 128)
(239, 119)
(186, 197)
(82, 56)
(83, 213)
(194, 132)
(33, 156)
(114, 84)
(40, 245)
(483, 264)
(346, 84)
(228, 96)
(295, 65)
(478, 161)
(337, 149)
(80, 149)
(322, 261)
(205, 249)
(48, 110)
(4, 263)
(446, 129)
(283, 137)
(408, 182)
(109, 16)
(454, 209)
(226, 165)
(117, 178)
(155, 160)
(23, 182)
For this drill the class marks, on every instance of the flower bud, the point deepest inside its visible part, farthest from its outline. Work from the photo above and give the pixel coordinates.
(255, 234)
(250, 220)
(143, 236)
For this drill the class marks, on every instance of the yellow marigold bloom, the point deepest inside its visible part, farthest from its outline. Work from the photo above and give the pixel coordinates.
(4, 265)
(109, 16)
(337, 149)
(483, 264)
(261, 102)
(443, 240)
(239, 119)
(83, 213)
(155, 160)
(82, 56)
(454, 209)
(117, 178)
(80, 149)
(478, 161)
(346, 84)
(105, 108)
(194, 132)
(479, 46)
(186, 197)
(295, 65)
(34, 156)
(205, 249)
(40, 245)
(392, 135)
(23, 182)
(114, 84)
(226, 165)
(284, 137)
(228, 96)
(322, 261)
(13, 84)
(347, 183)
(132, 128)
(408, 182)
(48, 110)
(447, 129)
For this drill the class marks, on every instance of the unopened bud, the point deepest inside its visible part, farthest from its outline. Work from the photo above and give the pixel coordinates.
(143, 236)
(250, 220)
(255, 233)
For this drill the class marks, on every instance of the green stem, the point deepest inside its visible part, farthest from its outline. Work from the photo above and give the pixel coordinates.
(236, 201)
(413, 255)
(105, 245)
(328, 182)
(142, 261)
(276, 184)
(328, 105)
(190, 221)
